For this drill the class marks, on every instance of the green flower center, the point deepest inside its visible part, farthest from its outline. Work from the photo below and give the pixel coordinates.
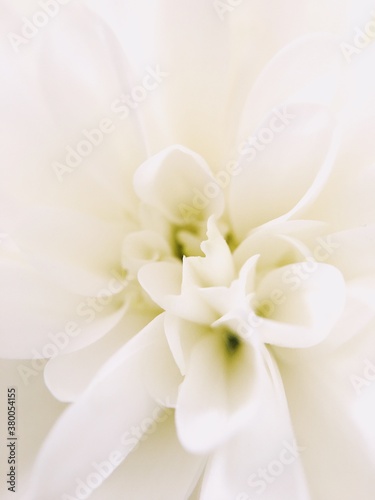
(232, 343)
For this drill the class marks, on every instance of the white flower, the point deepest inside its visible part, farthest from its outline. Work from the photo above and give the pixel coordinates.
(197, 261)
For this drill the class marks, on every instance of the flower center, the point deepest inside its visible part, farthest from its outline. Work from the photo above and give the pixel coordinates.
(186, 241)
(232, 342)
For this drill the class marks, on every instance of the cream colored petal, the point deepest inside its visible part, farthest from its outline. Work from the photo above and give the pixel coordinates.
(219, 394)
(278, 178)
(299, 304)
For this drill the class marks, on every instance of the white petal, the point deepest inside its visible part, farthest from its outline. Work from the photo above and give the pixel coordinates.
(230, 302)
(160, 371)
(31, 308)
(272, 182)
(158, 469)
(294, 67)
(173, 181)
(163, 282)
(99, 424)
(273, 244)
(235, 471)
(196, 107)
(182, 336)
(53, 321)
(41, 415)
(308, 303)
(290, 64)
(358, 315)
(216, 268)
(323, 404)
(142, 247)
(67, 376)
(352, 183)
(77, 251)
(352, 251)
(52, 106)
(219, 393)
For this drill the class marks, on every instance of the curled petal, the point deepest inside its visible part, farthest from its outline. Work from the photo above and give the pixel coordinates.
(164, 283)
(142, 247)
(219, 393)
(282, 177)
(266, 443)
(99, 425)
(77, 251)
(173, 181)
(300, 304)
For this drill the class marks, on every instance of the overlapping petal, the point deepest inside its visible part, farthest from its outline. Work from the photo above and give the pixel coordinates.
(263, 459)
(188, 173)
(118, 385)
(219, 394)
(288, 168)
(289, 246)
(300, 305)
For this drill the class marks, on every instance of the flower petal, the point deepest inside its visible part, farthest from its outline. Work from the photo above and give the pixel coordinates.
(119, 400)
(323, 403)
(300, 304)
(45, 309)
(275, 172)
(161, 280)
(216, 268)
(161, 373)
(172, 473)
(164, 283)
(142, 247)
(182, 335)
(262, 458)
(352, 251)
(68, 375)
(51, 106)
(172, 181)
(75, 250)
(294, 68)
(219, 393)
(42, 415)
(204, 97)
(352, 183)
(276, 243)
(55, 320)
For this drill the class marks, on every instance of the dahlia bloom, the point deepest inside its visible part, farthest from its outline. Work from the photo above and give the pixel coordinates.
(188, 234)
